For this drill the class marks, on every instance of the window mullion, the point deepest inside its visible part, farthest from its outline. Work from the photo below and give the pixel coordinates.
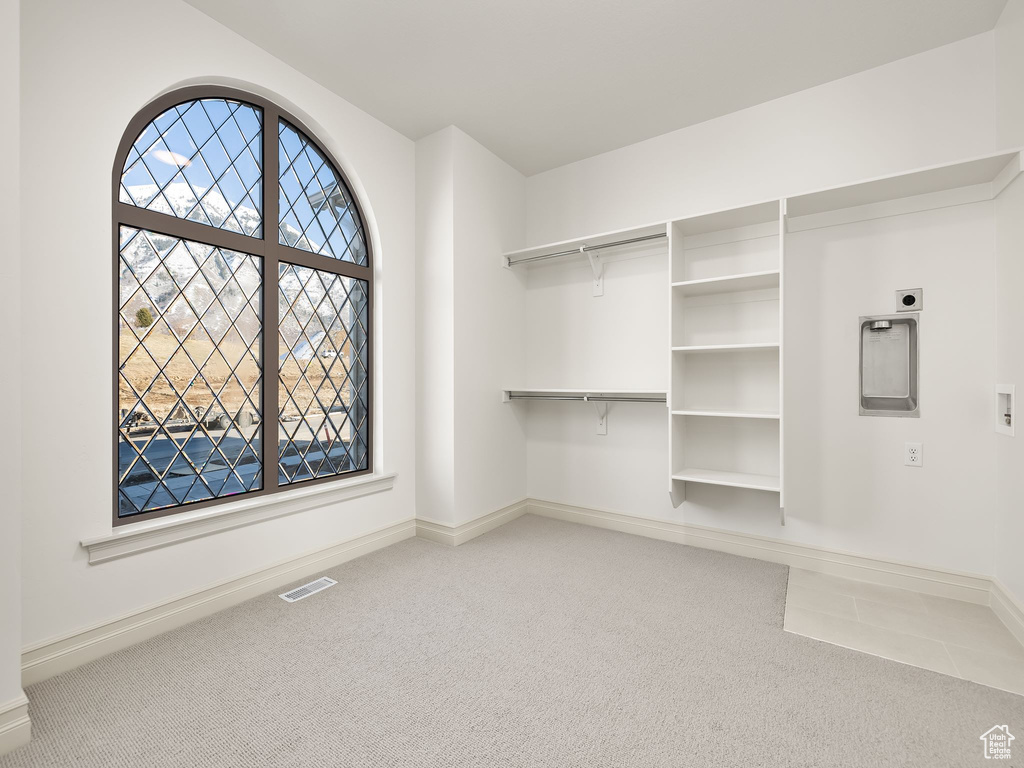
(319, 263)
(154, 221)
(271, 343)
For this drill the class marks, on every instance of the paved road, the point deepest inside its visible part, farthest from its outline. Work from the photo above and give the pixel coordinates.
(215, 454)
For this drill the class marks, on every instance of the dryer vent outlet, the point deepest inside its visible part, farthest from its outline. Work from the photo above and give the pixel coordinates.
(910, 301)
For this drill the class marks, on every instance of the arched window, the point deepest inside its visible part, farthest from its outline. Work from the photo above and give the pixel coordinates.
(244, 285)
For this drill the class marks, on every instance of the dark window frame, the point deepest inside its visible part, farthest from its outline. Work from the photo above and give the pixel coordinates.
(271, 252)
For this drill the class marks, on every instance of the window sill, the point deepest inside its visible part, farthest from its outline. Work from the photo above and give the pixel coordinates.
(142, 537)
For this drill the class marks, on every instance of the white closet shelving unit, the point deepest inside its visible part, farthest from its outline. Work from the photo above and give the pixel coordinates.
(726, 274)
(725, 394)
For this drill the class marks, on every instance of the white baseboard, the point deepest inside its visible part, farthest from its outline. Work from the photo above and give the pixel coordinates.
(15, 727)
(973, 588)
(1008, 609)
(460, 534)
(49, 658)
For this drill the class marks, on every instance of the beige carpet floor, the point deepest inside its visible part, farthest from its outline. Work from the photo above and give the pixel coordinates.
(541, 643)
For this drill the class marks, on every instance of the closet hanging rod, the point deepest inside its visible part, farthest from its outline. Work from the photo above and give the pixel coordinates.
(591, 398)
(584, 248)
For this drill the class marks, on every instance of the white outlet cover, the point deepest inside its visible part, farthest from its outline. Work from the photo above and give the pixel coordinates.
(910, 451)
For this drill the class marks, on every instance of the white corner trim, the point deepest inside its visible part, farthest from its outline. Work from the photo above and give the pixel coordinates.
(973, 588)
(1005, 177)
(454, 535)
(1009, 611)
(141, 537)
(51, 657)
(15, 726)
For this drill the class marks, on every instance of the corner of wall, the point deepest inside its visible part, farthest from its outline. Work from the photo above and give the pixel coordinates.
(490, 219)
(470, 208)
(14, 722)
(435, 327)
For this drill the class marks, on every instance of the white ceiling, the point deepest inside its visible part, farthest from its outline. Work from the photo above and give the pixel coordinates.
(545, 82)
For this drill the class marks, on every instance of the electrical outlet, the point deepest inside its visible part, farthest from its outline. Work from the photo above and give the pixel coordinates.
(913, 455)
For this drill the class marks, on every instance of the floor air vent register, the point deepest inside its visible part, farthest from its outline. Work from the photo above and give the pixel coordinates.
(308, 589)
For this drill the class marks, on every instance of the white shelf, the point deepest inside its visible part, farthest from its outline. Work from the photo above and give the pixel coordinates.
(735, 382)
(750, 281)
(571, 248)
(729, 414)
(994, 170)
(589, 391)
(731, 218)
(726, 347)
(732, 479)
(651, 395)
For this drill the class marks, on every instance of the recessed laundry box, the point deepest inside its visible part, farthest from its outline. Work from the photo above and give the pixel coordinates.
(889, 365)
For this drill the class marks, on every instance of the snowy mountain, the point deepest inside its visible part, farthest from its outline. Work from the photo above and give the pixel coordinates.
(205, 206)
(209, 206)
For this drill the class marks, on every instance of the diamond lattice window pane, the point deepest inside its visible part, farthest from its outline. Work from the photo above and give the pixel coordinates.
(324, 389)
(202, 161)
(318, 212)
(190, 378)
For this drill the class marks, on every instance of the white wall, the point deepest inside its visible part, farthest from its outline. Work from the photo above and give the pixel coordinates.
(490, 441)
(435, 327)
(616, 341)
(846, 485)
(932, 108)
(1009, 289)
(1009, 368)
(471, 446)
(1009, 69)
(923, 110)
(87, 69)
(10, 384)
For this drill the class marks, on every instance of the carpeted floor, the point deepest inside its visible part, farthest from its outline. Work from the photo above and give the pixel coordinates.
(539, 644)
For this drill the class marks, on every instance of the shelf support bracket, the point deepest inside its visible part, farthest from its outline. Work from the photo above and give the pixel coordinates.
(596, 267)
(677, 493)
(602, 415)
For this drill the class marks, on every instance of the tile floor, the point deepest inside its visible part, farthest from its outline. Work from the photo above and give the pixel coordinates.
(953, 637)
